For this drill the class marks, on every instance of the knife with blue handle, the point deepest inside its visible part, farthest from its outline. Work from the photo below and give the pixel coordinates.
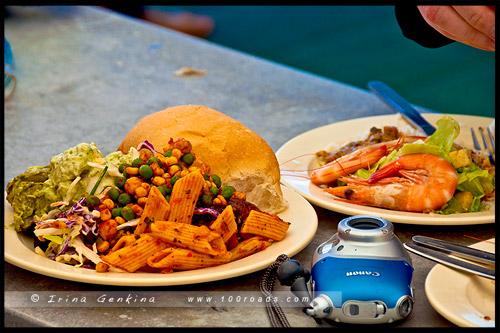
(398, 103)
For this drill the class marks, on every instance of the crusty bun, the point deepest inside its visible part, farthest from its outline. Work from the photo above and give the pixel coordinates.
(234, 152)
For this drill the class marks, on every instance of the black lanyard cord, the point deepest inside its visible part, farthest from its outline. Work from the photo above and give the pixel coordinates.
(274, 311)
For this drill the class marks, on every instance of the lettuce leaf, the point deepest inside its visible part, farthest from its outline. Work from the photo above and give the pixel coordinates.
(440, 143)
(475, 180)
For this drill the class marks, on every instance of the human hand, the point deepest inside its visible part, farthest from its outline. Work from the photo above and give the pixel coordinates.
(471, 25)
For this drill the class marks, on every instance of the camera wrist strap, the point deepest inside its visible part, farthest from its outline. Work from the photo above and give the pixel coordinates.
(274, 311)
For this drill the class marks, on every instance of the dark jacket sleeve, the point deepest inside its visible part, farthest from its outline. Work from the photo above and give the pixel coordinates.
(414, 27)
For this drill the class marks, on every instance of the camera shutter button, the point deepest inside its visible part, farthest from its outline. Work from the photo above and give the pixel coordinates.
(380, 309)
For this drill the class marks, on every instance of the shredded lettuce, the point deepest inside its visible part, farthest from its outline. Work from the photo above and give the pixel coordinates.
(55, 239)
(475, 180)
(440, 143)
(446, 132)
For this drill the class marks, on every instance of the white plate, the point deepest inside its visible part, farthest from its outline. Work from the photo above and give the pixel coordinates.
(297, 156)
(301, 215)
(464, 299)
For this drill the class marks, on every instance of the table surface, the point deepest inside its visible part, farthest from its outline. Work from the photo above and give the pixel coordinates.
(88, 75)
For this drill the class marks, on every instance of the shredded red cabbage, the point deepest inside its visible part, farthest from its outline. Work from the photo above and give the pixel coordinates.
(201, 210)
(146, 144)
(64, 247)
(85, 229)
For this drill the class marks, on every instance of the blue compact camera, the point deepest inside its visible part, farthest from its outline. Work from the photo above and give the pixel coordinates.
(362, 274)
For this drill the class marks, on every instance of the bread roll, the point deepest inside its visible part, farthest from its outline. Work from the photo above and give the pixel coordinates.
(234, 152)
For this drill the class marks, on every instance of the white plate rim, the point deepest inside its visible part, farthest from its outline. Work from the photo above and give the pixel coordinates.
(460, 281)
(301, 148)
(300, 213)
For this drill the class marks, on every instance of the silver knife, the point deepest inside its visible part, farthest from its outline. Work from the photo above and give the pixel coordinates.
(461, 251)
(398, 103)
(444, 259)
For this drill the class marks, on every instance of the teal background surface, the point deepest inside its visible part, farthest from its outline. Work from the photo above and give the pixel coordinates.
(357, 44)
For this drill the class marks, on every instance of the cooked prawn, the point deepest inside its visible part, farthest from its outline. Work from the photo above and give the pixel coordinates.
(414, 183)
(361, 158)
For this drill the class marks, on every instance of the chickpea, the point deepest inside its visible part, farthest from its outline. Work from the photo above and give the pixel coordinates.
(102, 267)
(109, 203)
(146, 186)
(159, 181)
(131, 184)
(108, 229)
(137, 210)
(176, 153)
(132, 171)
(172, 160)
(141, 192)
(145, 154)
(102, 245)
(119, 220)
(105, 215)
(157, 171)
(142, 201)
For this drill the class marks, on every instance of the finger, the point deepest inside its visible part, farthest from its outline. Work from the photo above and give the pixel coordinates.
(480, 17)
(449, 23)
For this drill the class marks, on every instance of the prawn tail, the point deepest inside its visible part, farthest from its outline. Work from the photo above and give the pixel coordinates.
(352, 193)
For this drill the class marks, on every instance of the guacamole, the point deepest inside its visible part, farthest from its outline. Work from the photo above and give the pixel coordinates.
(69, 176)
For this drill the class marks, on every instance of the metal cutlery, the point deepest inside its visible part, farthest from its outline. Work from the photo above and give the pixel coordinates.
(442, 252)
(489, 145)
(398, 103)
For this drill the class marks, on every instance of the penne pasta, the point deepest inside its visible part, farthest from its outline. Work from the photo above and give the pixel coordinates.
(184, 197)
(264, 225)
(178, 259)
(225, 223)
(157, 208)
(197, 238)
(249, 246)
(133, 256)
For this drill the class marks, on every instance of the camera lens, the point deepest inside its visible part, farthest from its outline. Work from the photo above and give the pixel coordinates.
(365, 228)
(405, 306)
(365, 224)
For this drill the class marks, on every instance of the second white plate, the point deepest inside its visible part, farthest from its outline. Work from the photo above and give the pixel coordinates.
(297, 157)
(467, 302)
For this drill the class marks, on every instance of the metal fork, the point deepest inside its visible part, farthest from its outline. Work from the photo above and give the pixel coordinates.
(488, 144)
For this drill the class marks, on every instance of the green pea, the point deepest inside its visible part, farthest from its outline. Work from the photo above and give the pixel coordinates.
(168, 153)
(214, 190)
(124, 199)
(162, 190)
(154, 160)
(93, 200)
(227, 192)
(145, 171)
(187, 158)
(116, 211)
(206, 177)
(113, 193)
(128, 213)
(137, 162)
(120, 182)
(206, 199)
(168, 190)
(174, 179)
(216, 180)
(122, 167)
